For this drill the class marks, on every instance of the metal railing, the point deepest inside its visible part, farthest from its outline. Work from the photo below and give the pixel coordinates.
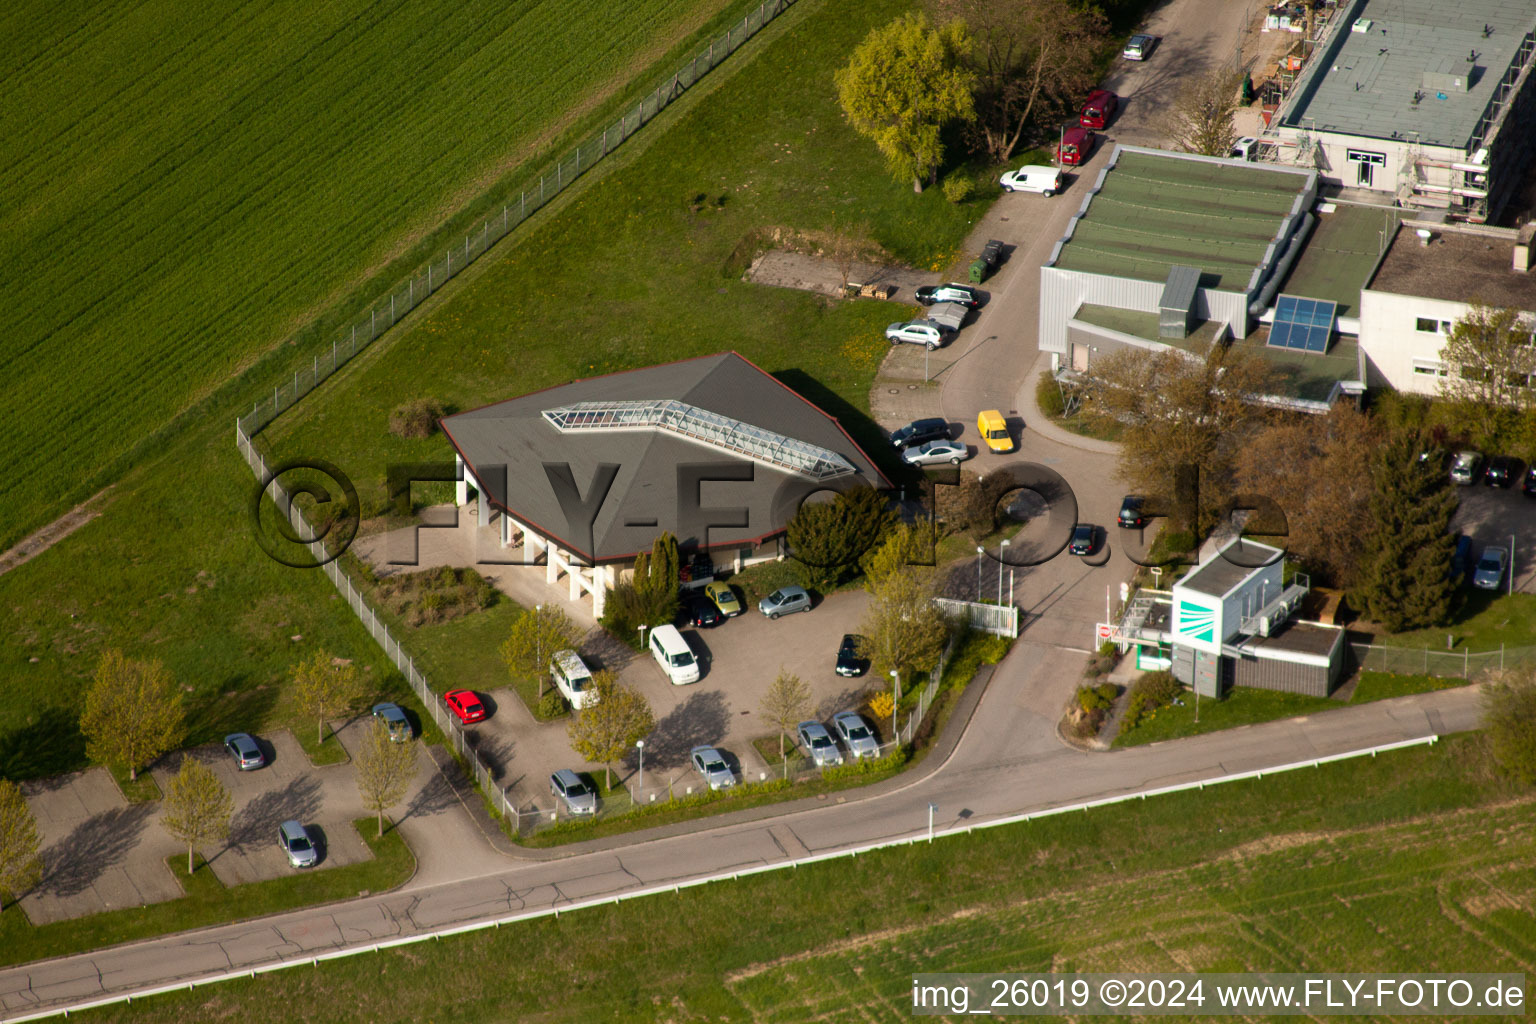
(1465, 664)
(423, 282)
(998, 619)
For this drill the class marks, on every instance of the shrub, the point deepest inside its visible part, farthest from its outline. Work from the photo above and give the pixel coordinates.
(1048, 395)
(416, 419)
(1107, 649)
(958, 187)
(1108, 691)
(1509, 714)
(866, 766)
(626, 609)
(552, 704)
(1092, 698)
(882, 704)
(1152, 691)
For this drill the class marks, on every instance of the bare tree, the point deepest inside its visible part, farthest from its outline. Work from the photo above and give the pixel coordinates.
(133, 712)
(615, 717)
(197, 807)
(1201, 119)
(1183, 410)
(20, 866)
(1032, 59)
(324, 687)
(787, 701)
(385, 768)
(1491, 356)
(1312, 467)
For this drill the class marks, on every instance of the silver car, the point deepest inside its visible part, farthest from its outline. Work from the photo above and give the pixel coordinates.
(1489, 574)
(1465, 467)
(855, 734)
(393, 717)
(934, 453)
(916, 332)
(819, 745)
(295, 841)
(712, 767)
(243, 748)
(785, 600)
(568, 788)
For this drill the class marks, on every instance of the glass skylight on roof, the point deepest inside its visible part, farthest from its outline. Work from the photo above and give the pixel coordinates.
(1302, 324)
(704, 426)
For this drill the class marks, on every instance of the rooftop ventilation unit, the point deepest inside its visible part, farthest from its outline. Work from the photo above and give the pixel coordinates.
(1361, 25)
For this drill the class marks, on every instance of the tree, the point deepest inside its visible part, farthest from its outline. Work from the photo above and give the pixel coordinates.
(1491, 357)
(968, 506)
(1181, 410)
(906, 81)
(1201, 119)
(902, 629)
(1509, 715)
(133, 713)
(20, 866)
(324, 687)
(1404, 578)
(385, 768)
(907, 546)
(536, 634)
(615, 717)
(657, 574)
(1311, 467)
(846, 244)
(197, 807)
(1031, 59)
(787, 701)
(828, 538)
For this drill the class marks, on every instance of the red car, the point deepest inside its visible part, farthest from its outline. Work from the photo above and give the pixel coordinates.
(1099, 108)
(466, 705)
(1076, 145)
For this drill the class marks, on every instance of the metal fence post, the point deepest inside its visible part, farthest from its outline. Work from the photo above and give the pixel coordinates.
(373, 331)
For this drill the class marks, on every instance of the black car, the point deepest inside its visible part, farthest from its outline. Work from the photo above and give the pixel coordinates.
(1131, 515)
(699, 611)
(962, 293)
(1529, 485)
(1082, 540)
(1501, 472)
(920, 432)
(848, 661)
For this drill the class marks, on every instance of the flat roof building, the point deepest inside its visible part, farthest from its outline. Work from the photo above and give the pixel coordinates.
(1426, 102)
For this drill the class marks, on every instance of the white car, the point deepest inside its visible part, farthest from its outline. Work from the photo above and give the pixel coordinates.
(934, 453)
(1032, 178)
(1139, 47)
(916, 332)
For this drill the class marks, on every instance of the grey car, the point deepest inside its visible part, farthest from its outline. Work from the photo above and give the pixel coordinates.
(819, 745)
(712, 767)
(295, 841)
(1489, 574)
(934, 453)
(243, 748)
(785, 600)
(393, 717)
(569, 788)
(855, 734)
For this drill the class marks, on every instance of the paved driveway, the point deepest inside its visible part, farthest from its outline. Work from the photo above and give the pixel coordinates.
(1494, 516)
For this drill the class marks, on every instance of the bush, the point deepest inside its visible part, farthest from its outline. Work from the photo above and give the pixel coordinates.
(1048, 395)
(416, 419)
(866, 766)
(958, 187)
(1092, 698)
(1107, 649)
(1152, 691)
(626, 609)
(552, 704)
(882, 704)
(1509, 715)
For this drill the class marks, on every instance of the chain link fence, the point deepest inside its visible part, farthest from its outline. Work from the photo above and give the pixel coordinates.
(421, 284)
(1466, 664)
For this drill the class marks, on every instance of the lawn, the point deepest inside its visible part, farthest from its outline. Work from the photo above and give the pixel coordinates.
(1480, 621)
(1246, 706)
(207, 901)
(170, 571)
(188, 185)
(1411, 861)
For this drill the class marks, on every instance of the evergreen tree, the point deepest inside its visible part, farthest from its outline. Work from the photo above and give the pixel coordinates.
(1404, 579)
(828, 538)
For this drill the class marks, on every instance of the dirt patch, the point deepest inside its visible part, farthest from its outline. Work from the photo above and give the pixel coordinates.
(36, 543)
(784, 269)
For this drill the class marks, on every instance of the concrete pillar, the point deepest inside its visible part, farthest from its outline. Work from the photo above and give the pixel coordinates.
(575, 574)
(552, 565)
(483, 507)
(738, 559)
(461, 488)
(506, 530)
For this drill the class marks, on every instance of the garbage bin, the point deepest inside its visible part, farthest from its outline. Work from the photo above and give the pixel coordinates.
(978, 271)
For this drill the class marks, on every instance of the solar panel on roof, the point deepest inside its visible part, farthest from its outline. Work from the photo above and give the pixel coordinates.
(1302, 324)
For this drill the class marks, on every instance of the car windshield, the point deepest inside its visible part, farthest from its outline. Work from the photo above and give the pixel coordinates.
(473, 708)
(1082, 533)
(1488, 563)
(858, 732)
(576, 789)
(819, 742)
(298, 843)
(714, 766)
(998, 432)
(679, 660)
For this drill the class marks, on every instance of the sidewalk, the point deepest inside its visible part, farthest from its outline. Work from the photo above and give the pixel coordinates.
(1036, 420)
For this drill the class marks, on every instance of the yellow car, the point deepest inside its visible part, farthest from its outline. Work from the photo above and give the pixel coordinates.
(994, 431)
(724, 598)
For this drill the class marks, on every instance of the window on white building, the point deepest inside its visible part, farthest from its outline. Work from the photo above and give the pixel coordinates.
(1429, 367)
(1430, 325)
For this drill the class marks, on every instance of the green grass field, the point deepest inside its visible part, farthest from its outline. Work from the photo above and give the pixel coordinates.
(189, 184)
(1413, 861)
(622, 275)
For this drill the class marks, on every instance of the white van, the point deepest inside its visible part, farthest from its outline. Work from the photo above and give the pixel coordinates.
(674, 655)
(572, 677)
(1033, 178)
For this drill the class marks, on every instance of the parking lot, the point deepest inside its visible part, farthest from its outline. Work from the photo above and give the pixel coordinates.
(739, 660)
(1495, 516)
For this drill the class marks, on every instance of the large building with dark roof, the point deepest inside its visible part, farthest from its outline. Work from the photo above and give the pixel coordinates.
(713, 450)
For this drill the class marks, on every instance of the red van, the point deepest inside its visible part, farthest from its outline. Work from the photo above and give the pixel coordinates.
(1076, 145)
(1099, 108)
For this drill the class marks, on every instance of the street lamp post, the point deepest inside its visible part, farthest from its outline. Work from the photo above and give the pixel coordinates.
(640, 771)
(1000, 573)
(895, 700)
(642, 636)
(979, 552)
(931, 809)
(1511, 563)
